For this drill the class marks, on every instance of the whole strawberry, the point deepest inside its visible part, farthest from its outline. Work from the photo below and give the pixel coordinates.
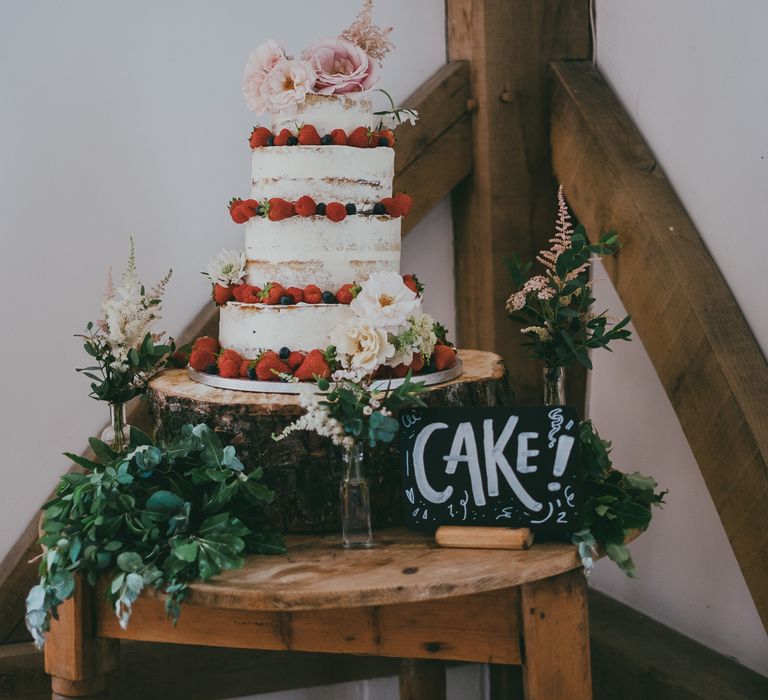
(268, 365)
(283, 137)
(313, 294)
(336, 211)
(444, 357)
(412, 282)
(242, 209)
(314, 365)
(221, 295)
(201, 358)
(205, 342)
(392, 207)
(229, 369)
(308, 136)
(362, 137)
(280, 209)
(405, 201)
(339, 137)
(296, 293)
(259, 136)
(231, 355)
(244, 365)
(250, 295)
(347, 293)
(305, 206)
(271, 293)
(295, 359)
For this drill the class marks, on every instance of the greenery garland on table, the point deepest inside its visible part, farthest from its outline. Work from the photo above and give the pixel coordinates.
(555, 308)
(156, 516)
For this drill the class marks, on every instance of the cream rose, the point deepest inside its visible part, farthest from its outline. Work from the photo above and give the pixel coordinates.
(261, 61)
(361, 346)
(385, 302)
(286, 84)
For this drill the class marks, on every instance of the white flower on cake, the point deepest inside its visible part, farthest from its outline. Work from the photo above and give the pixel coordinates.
(385, 301)
(227, 268)
(393, 119)
(287, 83)
(261, 61)
(417, 336)
(360, 345)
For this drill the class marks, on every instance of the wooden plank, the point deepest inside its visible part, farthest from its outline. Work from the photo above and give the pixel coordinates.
(696, 336)
(482, 628)
(176, 672)
(556, 638)
(648, 660)
(474, 537)
(508, 205)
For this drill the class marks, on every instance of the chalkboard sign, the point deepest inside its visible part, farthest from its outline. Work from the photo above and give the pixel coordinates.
(509, 467)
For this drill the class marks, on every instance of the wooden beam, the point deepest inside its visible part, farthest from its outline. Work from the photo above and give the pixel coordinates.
(509, 204)
(431, 158)
(696, 336)
(645, 659)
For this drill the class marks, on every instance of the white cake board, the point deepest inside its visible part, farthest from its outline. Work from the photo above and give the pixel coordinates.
(254, 385)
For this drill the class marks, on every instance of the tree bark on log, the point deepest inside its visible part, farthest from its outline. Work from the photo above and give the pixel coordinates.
(304, 469)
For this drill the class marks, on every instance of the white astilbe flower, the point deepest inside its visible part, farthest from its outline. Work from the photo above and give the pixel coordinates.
(417, 336)
(317, 420)
(128, 312)
(540, 332)
(227, 268)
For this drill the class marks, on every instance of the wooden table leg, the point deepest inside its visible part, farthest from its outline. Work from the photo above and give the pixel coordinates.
(75, 658)
(422, 680)
(556, 663)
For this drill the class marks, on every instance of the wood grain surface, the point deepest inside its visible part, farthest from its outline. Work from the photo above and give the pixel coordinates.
(703, 351)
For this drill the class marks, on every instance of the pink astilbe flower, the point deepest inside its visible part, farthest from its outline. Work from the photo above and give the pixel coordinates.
(563, 232)
(372, 39)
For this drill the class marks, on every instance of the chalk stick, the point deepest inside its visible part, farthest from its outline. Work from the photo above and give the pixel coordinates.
(483, 537)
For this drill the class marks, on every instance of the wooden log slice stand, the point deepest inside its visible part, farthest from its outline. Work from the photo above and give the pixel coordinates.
(303, 470)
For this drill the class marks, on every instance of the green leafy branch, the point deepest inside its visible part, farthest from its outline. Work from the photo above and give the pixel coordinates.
(152, 516)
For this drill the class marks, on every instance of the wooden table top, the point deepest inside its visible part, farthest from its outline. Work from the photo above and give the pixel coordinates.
(402, 567)
(478, 366)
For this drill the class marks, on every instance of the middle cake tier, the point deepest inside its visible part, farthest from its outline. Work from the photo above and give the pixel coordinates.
(299, 251)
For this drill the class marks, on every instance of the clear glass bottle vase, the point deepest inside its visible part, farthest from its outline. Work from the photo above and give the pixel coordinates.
(355, 499)
(117, 434)
(554, 386)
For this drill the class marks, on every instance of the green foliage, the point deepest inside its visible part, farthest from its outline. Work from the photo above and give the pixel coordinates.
(366, 414)
(562, 326)
(118, 382)
(615, 504)
(154, 516)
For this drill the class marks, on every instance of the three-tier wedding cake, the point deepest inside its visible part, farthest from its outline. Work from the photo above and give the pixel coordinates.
(318, 288)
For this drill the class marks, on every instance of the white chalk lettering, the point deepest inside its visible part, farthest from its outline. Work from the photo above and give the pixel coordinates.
(464, 449)
(524, 452)
(419, 469)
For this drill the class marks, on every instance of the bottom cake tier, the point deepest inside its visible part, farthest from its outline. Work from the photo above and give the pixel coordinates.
(251, 328)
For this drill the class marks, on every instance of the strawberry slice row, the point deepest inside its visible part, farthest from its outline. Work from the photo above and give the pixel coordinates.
(307, 135)
(277, 208)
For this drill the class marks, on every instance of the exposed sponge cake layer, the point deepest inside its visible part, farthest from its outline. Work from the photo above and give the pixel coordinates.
(326, 113)
(315, 250)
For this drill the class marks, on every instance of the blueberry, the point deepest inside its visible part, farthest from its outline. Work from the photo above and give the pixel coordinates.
(271, 140)
(292, 140)
(327, 140)
(383, 141)
(286, 300)
(379, 209)
(321, 209)
(328, 298)
(213, 368)
(251, 372)
(284, 353)
(351, 209)
(429, 368)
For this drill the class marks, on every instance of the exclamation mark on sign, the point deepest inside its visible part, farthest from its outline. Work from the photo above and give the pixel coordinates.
(564, 447)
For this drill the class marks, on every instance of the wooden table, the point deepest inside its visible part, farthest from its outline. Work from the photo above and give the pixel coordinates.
(405, 597)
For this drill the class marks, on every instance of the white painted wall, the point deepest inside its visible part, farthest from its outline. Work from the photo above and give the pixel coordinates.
(123, 119)
(692, 75)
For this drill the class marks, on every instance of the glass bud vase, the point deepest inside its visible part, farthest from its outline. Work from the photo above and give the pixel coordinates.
(355, 499)
(118, 433)
(554, 386)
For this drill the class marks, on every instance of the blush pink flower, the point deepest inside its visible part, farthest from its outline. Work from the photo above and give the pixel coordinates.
(341, 67)
(287, 83)
(261, 61)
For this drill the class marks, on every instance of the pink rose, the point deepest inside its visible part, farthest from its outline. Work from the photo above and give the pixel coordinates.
(341, 67)
(286, 84)
(261, 61)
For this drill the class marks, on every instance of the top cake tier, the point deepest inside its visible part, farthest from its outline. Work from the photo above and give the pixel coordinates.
(326, 113)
